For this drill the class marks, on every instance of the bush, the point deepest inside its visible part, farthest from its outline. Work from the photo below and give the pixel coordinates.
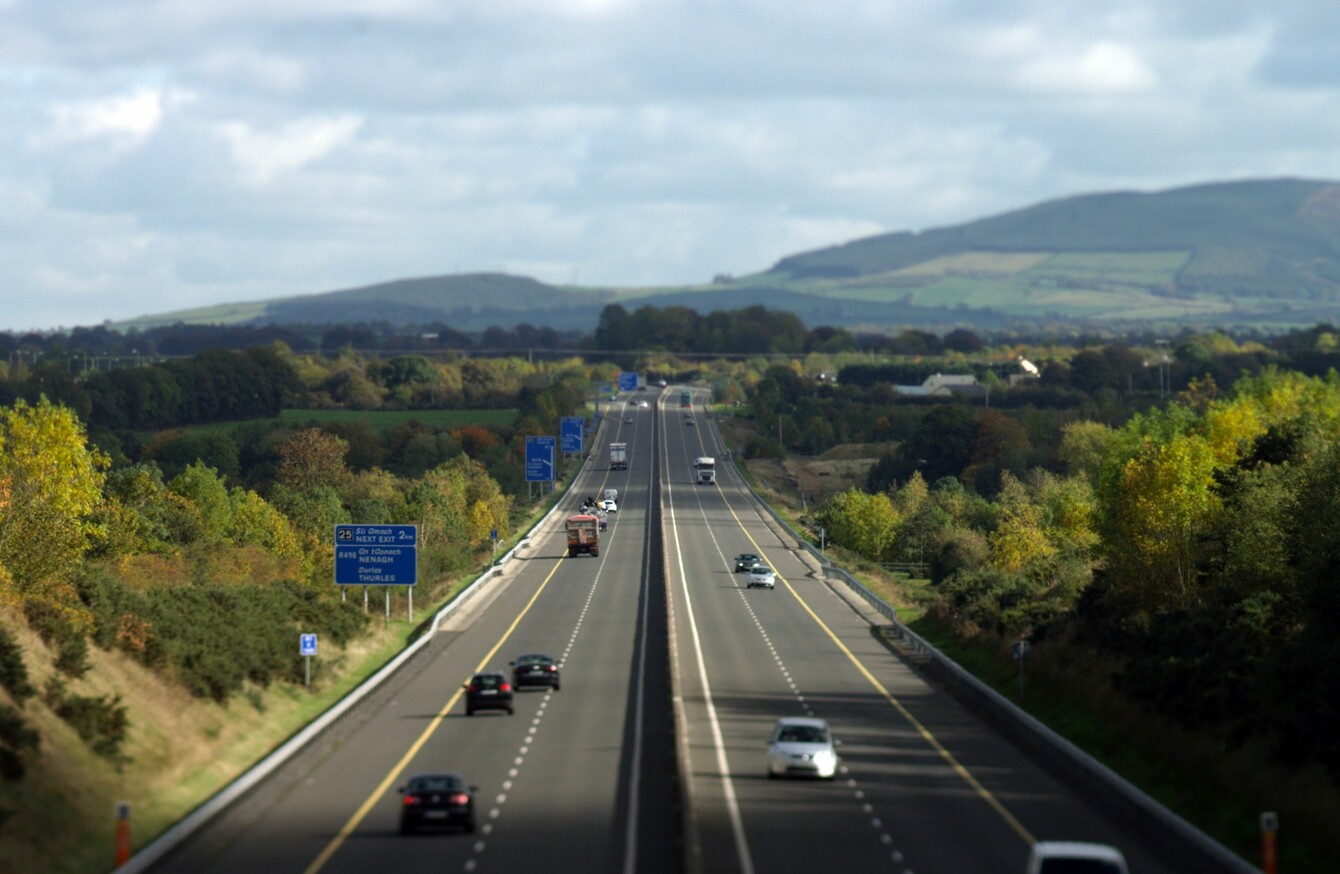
(13, 672)
(16, 740)
(52, 626)
(99, 720)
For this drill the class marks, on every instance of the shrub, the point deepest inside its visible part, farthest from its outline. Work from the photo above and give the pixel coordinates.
(57, 631)
(13, 672)
(99, 720)
(16, 741)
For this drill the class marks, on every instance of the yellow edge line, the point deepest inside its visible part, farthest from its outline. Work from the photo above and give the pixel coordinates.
(359, 815)
(955, 764)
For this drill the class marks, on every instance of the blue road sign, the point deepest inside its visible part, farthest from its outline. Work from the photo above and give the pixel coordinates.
(540, 459)
(572, 431)
(307, 644)
(627, 381)
(376, 555)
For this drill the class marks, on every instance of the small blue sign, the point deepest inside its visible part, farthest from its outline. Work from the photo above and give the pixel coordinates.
(627, 381)
(493, 534)
(540, 459)
(376, 555)
(307, 644)
(572, 433)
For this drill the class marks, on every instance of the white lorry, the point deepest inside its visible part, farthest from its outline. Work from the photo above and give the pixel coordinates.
(618, 456)
(706, 466)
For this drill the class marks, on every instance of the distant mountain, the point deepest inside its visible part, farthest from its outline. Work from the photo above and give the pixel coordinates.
(1256, 253)
(1237, 252)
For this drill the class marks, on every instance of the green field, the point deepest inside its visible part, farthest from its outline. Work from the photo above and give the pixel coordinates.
(382, 420)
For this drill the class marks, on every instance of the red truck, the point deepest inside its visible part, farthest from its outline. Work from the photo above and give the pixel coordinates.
(583, 535)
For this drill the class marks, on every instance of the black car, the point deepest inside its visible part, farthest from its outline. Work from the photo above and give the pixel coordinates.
(535, 669)
(488, 691)
(744, 561)
(437, 800)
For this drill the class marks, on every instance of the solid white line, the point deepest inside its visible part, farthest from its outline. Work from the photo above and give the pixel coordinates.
(727, 785)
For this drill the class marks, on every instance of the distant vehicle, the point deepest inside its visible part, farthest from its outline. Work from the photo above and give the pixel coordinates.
(660, 383)
(628, 420)
(604, 520)
(706, 466)
(686, 399)
(609, 506)
(535, 669)
(437, 800)
(761, 575)
(642, 404)
(1071, 857)
(744, 561)
(583, 535)
(488, 691)
(618, 456)
(610, 494)
(689, 423)
(802, 746)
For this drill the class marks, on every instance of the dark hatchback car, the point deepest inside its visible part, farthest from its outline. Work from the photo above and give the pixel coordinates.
(535, 669)
(744, 561)
(437, 800)
(488, 691)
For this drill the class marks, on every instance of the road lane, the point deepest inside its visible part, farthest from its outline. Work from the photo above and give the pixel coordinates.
(562, 784)
(925, 785)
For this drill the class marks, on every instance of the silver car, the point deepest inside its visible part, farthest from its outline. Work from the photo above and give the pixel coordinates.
(802, 746)
(761, 575)
(1058, 857)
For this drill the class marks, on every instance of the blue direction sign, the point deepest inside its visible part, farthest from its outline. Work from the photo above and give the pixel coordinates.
(572, 431)
(540, 459)
(376, 555)
(627, 381)
(307, 644)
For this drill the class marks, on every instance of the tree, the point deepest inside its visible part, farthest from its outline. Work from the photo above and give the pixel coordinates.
(312, 458)
(50, 486)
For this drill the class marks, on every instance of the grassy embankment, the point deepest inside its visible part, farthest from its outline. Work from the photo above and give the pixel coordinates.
(179, 749)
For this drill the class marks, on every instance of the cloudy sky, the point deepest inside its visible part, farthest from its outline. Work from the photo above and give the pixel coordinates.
(181, 153)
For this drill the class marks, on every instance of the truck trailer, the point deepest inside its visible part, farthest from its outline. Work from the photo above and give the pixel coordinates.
(618, 456)
(583, 535)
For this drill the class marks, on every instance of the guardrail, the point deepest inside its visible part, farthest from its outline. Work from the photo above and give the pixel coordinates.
(160, 847)
(1195, 850)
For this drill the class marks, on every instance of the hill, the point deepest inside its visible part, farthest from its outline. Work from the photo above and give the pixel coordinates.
(1262, 253)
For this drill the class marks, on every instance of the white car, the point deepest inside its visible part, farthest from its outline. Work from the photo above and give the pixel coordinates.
(642, 404)
(761, 575)
(802, 746)
(1058, 857)
(609, 506)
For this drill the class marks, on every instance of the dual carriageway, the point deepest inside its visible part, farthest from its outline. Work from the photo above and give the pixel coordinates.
(652, 757)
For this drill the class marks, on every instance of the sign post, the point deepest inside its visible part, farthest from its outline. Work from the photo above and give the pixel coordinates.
(572, 433)
(539, 461)
(1020, 656)
(378, 555)
(307, 649)
(1270, 824)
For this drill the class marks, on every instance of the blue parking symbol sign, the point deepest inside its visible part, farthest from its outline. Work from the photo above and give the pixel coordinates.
(307, 644)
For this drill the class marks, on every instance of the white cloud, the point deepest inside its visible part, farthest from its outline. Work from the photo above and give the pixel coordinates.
(123, 120)
(261, 156)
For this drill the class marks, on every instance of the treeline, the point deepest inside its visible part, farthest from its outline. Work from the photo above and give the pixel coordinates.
(202, 552)
(751, 331)
(90, 348)
(1194, 546)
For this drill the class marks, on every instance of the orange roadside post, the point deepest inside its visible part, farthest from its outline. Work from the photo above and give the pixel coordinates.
(122, 833)
(1270, 824)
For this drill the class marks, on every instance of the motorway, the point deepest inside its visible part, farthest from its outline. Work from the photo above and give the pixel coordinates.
(585, 780)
